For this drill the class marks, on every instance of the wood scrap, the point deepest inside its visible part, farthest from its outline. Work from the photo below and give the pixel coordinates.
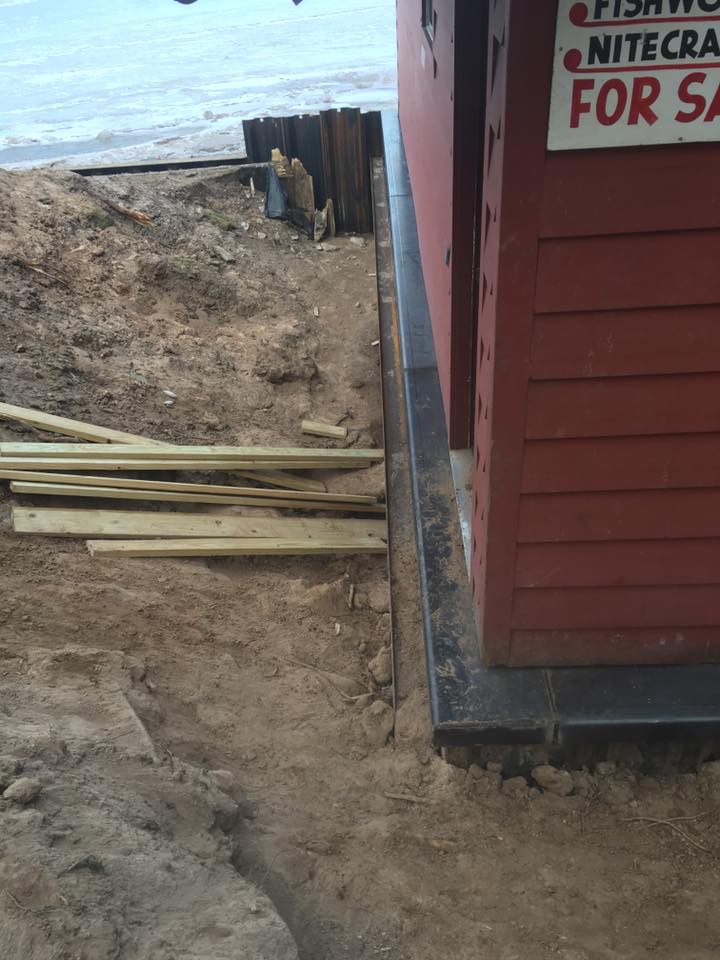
(69, 428)
(79, 522)
(315, 428)
(165, 496)
(278, 478)
(281, 455)
(32, 476)
(231, 547)
(51, 273)
(136, 215)
(102, 464)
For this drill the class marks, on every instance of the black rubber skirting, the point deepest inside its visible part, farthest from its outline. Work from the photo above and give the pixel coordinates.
(470, 703)
(159, 166)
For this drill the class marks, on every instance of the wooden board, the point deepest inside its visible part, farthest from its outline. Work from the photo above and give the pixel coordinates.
(611, 344)
(616, 608)
(278, 478)
(33, 476)
(628, 272)
(104, 464)
(622, 463)
(70, 428)
(659, 645)
(636, 563)
(232, 547)
(314, 428)
(279, 455)
(54, 522)
(166, 496)
(624, 406)
(630, 515)
(625, 187)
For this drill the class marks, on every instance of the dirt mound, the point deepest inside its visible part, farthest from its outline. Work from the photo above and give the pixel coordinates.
(123, 853)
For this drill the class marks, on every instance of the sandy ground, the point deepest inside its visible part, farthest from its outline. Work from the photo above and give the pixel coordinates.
(208, 733)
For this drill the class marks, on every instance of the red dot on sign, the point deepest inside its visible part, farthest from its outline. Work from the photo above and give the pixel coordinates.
(572, 61)
(579, 14)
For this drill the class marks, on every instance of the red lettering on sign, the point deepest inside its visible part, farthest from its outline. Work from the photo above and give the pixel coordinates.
(645, 91)
(695, 100)
(714, 109)
(579, 106)
(607, 117)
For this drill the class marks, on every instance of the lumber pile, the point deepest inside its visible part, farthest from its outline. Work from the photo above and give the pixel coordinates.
(88, 468)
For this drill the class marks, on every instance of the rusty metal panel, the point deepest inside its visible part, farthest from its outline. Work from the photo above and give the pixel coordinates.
(335, 147)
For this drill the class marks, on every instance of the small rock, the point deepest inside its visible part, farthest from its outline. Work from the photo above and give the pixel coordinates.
(616, 794)
(606, 768)
(226, 812)
(224, 255)
(710, 770)
(381, 667)
(484, 781)
(358, 241)
(171, 394)
(584, 783)
(516, 787)
(364, 700)
(553, 780)
(223, 779)
(10, 768)
(23, 791)
(377, 722)
(378, 598)
(261, 235)
(20, 348)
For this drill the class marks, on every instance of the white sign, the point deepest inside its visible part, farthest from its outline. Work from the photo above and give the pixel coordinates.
(635, 73)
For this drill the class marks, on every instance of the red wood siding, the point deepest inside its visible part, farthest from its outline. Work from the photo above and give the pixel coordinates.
(597, 492)
(442, 130)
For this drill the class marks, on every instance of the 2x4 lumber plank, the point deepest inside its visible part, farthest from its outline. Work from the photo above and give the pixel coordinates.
(165, 496)
(32, 476)
(69, 428)
(102, 464)
(315, 428)
(79, 522)
(278, 478)
(232, 547)
(280, 455)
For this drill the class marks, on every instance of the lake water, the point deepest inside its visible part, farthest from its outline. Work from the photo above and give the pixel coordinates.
(87, 81)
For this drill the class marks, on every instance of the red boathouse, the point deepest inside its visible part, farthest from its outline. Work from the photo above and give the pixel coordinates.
(563, 159)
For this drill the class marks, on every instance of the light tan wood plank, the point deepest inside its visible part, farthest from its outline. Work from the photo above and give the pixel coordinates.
(32, 476)
(314, 428)
(277, 478)
(69, 428)
(279, 455)
(78, 522)
(164, 496)
(230, 547)
(106, 465)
